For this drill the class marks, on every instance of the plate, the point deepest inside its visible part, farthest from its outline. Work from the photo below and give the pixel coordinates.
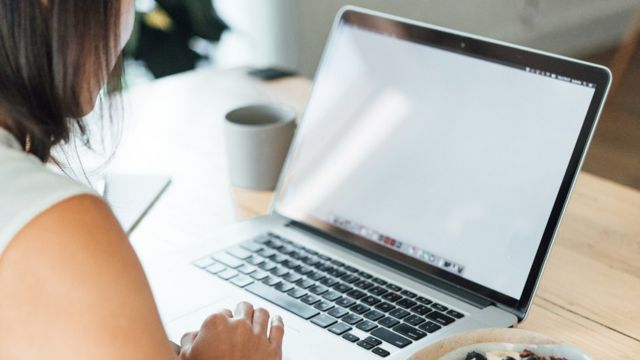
(456, 347)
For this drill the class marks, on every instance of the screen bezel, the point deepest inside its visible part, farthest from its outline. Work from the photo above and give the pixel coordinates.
(489, 50)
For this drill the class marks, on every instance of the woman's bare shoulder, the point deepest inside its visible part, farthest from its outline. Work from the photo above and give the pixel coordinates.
(70, 281)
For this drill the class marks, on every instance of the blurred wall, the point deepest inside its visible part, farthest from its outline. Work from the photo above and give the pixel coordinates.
(292, 33)
(263, 33)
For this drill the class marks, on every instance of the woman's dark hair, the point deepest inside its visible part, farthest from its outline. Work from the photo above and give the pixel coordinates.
(49, 51)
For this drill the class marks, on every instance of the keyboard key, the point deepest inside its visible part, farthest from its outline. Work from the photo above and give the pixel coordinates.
(393, 287)
(282, 300)
(340, 328)
(367, 326)
(318, 289)
(380, 352)
(359, 309)
(337, 263)
(246, 269)
(378, 291)
(430, 327)
(271, 281)
(267, 266)
(296, 293)
(280, 271)
(408, 294)
(366, 345)
(385, 307)
(290, 264)
(389, 322)
(350, 279)
(266, 253)
(305, 283)
(292, 277)
(279, 258)
(373, 341)
(252, 246)
(241, 280)
(391, 297)
(216, 268)
(356, 294)
(350, 268)
(315, 275)
(204, 262)
(324, 306)
(421, 309)
(379, 281)
(240, 253)
(324, 267)
(373, 315)
(284, 286)
(345, 302)
(423, 300)
(455, 314)
(311, 261)
(352, 319)
(406, 303)
(439, 307)
(323, 320)
(259, 275)
(227, 274)
(303, 270)
(440, 318)
(364, 275)
(309, 299)
(227, 259)
(336, 273)
(410, 332)
(414, 320)
(391, 337)
(363, 284)
(370, 300)
(328, 281)
(399, 313)
(332, 295)
(261, 239)
(343, 288)
(338, 312)
(255, 260)
(350, 337)
(286, 250)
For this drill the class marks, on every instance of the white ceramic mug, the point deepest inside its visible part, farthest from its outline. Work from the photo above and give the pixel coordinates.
(257, 141)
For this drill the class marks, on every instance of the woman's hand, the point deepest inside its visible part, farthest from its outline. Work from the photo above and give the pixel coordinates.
(244, 335)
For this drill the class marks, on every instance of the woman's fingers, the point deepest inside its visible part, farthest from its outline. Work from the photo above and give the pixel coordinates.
(244, 310)
(225, 312)
(187, 339)
(260, 321)
(277, 331)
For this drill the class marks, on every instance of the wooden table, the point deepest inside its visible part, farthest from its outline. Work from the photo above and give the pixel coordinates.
(590, 289)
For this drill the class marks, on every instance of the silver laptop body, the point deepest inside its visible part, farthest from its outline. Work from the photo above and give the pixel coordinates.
(419, 200)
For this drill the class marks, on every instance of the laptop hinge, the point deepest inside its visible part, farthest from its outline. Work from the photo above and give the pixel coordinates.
(421, 277)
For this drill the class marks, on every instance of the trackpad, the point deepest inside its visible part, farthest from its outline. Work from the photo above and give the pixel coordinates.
(193, 321)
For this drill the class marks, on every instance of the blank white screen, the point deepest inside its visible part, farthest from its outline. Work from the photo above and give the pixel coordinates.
(456, 155)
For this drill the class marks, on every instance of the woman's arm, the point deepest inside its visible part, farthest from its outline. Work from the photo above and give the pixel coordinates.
(71, 286)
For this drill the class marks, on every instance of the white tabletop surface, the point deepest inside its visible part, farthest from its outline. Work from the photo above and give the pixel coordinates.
(174, 127)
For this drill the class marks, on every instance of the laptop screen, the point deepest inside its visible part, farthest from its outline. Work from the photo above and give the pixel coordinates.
(449, 159)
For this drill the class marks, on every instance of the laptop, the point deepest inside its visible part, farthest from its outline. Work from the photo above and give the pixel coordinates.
(420, 197)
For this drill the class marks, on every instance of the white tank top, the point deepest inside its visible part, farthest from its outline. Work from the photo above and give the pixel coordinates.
(27, 188)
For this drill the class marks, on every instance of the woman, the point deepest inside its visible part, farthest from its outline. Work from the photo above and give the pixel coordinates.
(70, 283)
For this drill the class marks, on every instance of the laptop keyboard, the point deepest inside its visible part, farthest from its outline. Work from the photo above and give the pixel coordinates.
(329, 293)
